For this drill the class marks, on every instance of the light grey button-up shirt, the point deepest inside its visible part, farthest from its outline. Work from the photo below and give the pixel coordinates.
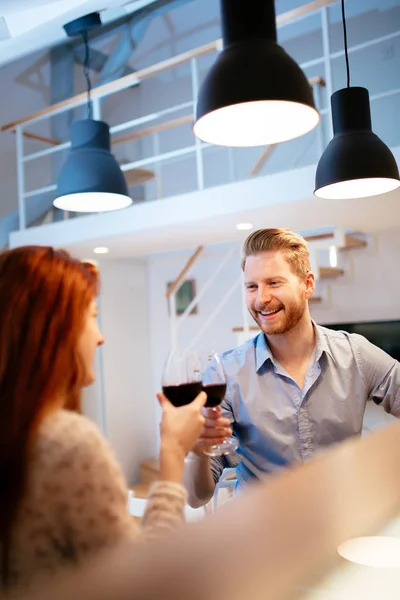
(278, 423)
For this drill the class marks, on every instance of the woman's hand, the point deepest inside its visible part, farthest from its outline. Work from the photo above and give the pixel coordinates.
(180, 429)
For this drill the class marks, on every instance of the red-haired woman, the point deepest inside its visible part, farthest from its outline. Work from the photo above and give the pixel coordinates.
(62, 494)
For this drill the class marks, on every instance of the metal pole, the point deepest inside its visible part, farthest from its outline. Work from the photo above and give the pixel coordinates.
(20, 177)
(199, 154)
(327, 58)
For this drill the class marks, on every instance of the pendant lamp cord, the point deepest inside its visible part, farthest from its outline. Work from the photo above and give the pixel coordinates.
(86, 72)
(346, 54)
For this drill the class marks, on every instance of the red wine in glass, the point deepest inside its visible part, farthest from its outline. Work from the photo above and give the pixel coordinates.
(216, 392)
(214, 384)
(182, 377)
(183, 393)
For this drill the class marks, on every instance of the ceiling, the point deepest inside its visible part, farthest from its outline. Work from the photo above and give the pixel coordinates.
(368, 215)
(28, 26)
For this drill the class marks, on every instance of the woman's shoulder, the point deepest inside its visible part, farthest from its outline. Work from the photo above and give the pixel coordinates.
(64, 434)
(67, 420)
(69, 446)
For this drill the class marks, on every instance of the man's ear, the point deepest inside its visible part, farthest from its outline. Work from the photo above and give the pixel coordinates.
(310, 285)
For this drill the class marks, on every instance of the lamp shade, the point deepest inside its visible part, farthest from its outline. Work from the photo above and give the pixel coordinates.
(255, 94)
(91, 179)
(356, 163)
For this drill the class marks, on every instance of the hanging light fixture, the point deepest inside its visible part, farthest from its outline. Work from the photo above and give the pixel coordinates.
(91, 179)
(356, 163)
(255, 94)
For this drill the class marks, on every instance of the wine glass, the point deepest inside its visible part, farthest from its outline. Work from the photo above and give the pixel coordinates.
(182, 377)
(214, 384)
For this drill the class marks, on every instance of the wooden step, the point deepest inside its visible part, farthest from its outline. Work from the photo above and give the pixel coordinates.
(351, 240)
(138, 176)
(141, 490)
(330, 272)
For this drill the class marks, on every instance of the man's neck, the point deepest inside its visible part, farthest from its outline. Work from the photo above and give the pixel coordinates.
(295, 346)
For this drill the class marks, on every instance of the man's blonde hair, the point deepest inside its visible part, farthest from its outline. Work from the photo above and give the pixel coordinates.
(292, 245)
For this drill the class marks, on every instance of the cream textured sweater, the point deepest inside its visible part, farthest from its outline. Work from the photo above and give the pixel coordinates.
(76, 501)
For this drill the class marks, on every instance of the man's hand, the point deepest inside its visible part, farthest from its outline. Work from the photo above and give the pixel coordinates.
(215, 430)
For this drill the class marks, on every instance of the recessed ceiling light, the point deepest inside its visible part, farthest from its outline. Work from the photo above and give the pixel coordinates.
(376, 551)
(244, 226)
(101, 250)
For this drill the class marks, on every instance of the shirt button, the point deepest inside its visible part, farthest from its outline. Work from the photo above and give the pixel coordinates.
(306, 445)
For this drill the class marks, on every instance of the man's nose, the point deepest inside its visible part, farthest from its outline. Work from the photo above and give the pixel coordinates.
(263, 295)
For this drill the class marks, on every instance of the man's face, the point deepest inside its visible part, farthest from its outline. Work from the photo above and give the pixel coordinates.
(276, 297)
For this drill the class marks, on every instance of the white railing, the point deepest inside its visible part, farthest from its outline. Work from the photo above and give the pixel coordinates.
(320, 7)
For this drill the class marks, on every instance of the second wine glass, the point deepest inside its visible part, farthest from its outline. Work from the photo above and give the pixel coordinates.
(214, 384)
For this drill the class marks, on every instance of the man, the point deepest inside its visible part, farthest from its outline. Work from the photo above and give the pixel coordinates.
(295, 388)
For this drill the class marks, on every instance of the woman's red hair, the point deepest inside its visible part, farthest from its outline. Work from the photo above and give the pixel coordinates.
(44, 296)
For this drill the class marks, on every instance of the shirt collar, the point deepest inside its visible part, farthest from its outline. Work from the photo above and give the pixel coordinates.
(321, 345)
(263, 353)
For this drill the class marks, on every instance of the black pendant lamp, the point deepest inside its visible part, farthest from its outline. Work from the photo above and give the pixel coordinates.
(91, 179)
(255, 94)
(356, 163)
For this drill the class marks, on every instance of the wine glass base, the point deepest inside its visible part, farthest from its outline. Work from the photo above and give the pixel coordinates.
(226, 447)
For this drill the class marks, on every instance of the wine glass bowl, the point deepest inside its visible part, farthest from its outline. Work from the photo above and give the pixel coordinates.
(214, 385)
(182, 377)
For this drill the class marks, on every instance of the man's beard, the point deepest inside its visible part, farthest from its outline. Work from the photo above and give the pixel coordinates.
(287, 318)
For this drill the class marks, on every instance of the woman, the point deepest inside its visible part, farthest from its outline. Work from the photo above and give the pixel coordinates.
(62, 494)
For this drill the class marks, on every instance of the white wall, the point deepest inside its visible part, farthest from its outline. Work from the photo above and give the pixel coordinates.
(130, 404)
(93, 401)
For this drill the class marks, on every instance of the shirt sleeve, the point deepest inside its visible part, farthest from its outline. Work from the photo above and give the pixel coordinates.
(381, 375)
(217, 465)
(92, 501)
